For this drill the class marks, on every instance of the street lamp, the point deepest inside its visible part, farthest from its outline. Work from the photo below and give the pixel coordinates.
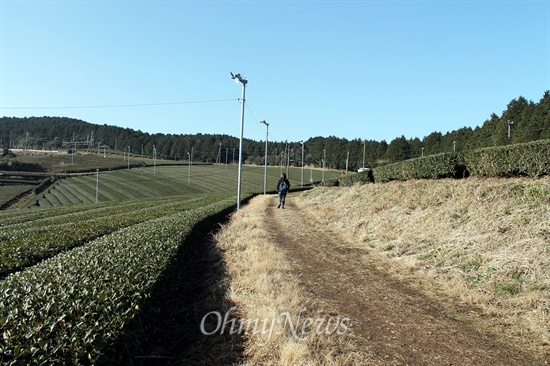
(265, 164)
(238, 78)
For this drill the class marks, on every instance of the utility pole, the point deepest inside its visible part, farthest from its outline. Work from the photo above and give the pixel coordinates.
(265, 164)
(128, 157)
(324, 160)
(191, 163)
(288, 161)
(74, 151)
(282, 161)
(510, 123)
(347, 163)
(364, 151)
(302, 178)
(189, 169)
(91, 142)
(238, 78)
(97, 186)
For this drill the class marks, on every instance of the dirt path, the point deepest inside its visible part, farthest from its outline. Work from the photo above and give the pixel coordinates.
(401, 325)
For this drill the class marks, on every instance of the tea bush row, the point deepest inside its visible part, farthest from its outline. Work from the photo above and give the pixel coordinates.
(531, 159)
(363, 177)
(446, 165)
(527, 159)
(26, 247)
(72, 307)
(15, 217)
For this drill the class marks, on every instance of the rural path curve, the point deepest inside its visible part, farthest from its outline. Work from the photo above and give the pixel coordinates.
(401, 325)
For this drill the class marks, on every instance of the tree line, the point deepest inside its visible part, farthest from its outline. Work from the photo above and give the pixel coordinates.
(522, 121)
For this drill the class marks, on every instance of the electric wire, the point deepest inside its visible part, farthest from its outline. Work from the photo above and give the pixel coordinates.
(124, 105)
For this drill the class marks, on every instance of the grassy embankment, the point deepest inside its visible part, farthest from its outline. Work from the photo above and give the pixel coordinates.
(486, 242)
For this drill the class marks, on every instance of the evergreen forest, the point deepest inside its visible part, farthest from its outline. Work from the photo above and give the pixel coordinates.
(522, 121)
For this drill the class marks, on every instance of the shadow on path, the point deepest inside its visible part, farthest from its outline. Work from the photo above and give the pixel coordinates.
(168, 330)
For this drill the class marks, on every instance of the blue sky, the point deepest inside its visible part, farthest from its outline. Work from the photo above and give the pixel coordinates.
(351, 69)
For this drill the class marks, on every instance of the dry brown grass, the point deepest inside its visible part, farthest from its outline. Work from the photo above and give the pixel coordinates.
(487, 241)
(264, 286)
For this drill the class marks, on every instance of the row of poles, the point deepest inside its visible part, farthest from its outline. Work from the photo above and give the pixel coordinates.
(239, 79)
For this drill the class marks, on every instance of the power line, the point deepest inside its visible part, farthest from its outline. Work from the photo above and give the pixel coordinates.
(124, 105)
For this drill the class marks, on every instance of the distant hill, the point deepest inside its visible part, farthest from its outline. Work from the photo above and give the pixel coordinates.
(529, 121)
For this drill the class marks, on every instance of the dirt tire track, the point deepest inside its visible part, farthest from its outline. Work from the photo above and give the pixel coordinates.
(401, 325)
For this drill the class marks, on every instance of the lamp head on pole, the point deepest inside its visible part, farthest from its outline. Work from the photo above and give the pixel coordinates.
(264, 123)
(238, 78)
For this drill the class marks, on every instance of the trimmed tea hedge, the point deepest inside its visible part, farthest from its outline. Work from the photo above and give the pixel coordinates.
(26, 244)
(363, 177)
(447, 165)
(70, 308)
(532, 159)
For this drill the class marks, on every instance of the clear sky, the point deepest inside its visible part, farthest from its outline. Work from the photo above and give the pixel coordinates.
(351, 69)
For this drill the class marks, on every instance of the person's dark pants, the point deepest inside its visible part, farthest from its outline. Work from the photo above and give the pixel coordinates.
(282, 198)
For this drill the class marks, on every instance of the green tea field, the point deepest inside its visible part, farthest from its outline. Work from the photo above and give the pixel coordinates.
(166, 181)
(88, 254)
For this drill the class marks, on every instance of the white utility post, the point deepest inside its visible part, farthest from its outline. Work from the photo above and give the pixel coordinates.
(265, 164)
(154, 160)
(324, 159)
(189, 168)
(97, 186)
(302, 164)
(238, 78)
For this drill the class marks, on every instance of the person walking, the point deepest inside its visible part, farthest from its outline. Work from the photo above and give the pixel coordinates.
(283, 185)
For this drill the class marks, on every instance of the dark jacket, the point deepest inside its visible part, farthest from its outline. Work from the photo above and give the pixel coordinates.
(287, 184)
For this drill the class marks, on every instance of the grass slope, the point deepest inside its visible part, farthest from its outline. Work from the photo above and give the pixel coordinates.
(488, 239)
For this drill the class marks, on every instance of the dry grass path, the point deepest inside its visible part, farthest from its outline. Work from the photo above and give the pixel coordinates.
(402, 321)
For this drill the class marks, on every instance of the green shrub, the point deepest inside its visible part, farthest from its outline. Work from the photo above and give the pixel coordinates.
(446, 165)
(531, 159)
(71, 308)
(25, 244)
(363, 177)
